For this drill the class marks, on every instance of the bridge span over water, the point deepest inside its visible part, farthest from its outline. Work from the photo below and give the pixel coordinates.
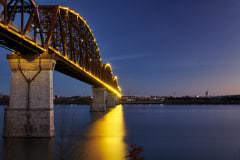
(43, 39)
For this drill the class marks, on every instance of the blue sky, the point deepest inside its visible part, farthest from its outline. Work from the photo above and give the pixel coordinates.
(160, 47)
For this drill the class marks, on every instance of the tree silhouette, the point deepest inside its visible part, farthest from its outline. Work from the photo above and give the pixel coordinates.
(134, 152)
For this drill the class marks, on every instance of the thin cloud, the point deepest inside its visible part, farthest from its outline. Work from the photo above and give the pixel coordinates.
(126, 57)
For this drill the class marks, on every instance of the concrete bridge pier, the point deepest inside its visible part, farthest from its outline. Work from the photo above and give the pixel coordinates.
(30, 111)
(99, 100)
(112, 100)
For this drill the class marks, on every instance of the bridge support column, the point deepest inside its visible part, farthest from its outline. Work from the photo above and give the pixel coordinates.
(30, 112)
(112, 100)
(99, 100)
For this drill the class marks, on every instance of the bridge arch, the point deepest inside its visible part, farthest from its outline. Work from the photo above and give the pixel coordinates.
(49, 38)
(58, 31)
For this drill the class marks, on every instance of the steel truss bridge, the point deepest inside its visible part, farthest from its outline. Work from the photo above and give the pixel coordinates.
(58, 31)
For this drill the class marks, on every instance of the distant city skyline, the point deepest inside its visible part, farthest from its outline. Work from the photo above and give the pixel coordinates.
(159, 47)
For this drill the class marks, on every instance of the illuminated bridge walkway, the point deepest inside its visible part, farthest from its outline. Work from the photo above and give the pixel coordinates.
(43, 39)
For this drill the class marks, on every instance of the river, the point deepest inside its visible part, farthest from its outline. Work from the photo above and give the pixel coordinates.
(163, 132)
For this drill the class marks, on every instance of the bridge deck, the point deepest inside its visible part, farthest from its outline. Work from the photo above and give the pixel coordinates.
(14, 39)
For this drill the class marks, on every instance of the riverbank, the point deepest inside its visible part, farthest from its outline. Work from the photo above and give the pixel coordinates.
(235, 99)
(216, 100)
(59, 100)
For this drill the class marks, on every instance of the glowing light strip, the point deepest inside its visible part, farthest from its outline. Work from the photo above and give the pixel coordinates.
(107, 65)
(84, 21)
(117, 93)
(22, 36)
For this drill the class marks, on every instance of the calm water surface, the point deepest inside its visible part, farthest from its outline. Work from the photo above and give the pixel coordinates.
(164, 132)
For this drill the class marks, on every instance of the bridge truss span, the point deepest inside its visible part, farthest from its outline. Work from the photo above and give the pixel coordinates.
(57, 31)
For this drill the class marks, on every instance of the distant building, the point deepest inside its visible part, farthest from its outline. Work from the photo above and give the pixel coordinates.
(206, 93)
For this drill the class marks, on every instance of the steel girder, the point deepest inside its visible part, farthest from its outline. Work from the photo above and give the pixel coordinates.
(57, 30)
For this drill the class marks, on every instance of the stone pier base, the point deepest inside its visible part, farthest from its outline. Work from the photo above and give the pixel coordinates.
(32, 124)
(30, 111)
(99, 100)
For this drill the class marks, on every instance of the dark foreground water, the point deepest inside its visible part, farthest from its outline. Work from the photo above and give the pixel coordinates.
(164, 132)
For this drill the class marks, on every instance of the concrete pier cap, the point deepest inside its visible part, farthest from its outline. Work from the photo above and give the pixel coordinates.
(30, 112)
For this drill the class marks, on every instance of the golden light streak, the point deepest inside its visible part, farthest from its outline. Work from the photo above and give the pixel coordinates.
(79, 16)
(119, 88)
(116, 92)
(22, 37)
(107, 86)
(108, 65)
(106, 137)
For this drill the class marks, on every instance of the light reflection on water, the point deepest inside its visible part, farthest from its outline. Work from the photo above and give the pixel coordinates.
(188, 132)
(106, 136)
(79, 135)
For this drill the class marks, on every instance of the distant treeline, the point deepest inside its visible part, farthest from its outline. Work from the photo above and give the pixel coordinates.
(203, 100)
(4, 100)
(73, 100)
(235, 99)
(182, 100)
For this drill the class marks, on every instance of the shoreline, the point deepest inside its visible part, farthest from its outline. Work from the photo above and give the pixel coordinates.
(131, 100)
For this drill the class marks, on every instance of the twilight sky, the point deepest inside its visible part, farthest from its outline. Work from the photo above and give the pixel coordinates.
(159, 47)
